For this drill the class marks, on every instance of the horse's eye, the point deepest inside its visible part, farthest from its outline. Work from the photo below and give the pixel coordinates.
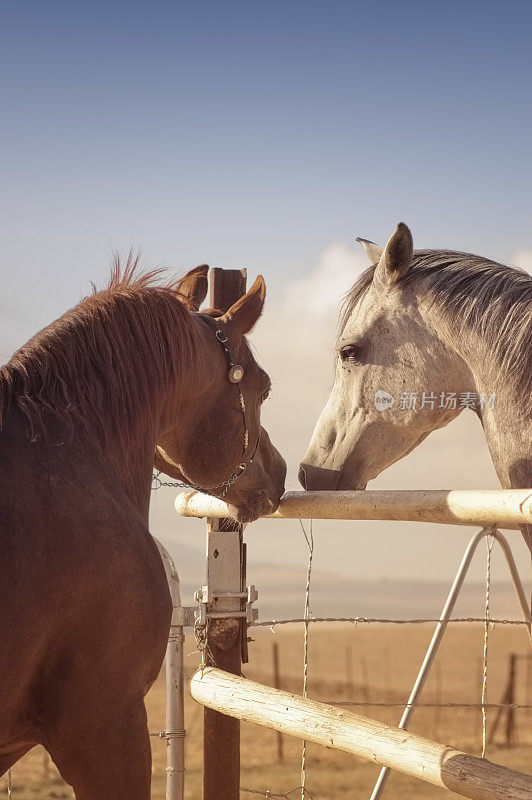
(349, 353)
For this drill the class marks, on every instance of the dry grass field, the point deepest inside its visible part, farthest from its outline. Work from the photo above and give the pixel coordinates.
(374, 663)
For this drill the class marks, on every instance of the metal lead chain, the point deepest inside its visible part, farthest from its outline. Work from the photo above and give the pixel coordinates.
(157, 483)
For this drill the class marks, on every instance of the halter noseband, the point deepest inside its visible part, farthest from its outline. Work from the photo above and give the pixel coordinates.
(235, 375)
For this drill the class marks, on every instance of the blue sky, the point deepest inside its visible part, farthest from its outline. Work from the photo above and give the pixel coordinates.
(256, 133)
(253, 134)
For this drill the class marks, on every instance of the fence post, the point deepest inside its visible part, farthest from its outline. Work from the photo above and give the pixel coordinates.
(349, 682)
(510, 719)
(277, 684)
(508, 699)
(225, 638)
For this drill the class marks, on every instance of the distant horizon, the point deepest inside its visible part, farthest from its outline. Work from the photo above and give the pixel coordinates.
(333, 594)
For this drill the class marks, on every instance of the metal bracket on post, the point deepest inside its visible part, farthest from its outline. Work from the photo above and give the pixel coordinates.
(206, 601)
(252, 614)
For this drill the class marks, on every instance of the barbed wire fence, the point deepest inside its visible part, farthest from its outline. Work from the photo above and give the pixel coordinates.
(487, 621)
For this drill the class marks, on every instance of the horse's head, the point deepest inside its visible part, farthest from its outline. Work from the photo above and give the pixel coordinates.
(214, 440)
(393, 377)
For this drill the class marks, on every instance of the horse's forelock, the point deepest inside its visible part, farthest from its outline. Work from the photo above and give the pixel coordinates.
(354, 295)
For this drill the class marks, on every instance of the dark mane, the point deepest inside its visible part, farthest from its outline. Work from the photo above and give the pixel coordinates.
(100, 365)
(477, 296)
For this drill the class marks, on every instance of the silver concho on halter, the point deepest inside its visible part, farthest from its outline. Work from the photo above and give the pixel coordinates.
(236, 373)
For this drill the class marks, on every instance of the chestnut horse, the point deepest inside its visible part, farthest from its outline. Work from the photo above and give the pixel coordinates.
(85, 613)
(426, 334)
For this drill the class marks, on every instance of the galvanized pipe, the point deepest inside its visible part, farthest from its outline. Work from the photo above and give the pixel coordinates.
(442, 625)
(175, 703)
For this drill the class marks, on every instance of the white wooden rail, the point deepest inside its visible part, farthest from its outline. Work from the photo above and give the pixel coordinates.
(506, 508)
(406, 752)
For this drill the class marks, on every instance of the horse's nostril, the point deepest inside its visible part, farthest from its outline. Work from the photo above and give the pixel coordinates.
(302, 477)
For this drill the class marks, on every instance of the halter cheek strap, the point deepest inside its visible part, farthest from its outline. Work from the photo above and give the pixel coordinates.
(235, 375)
(236, 371)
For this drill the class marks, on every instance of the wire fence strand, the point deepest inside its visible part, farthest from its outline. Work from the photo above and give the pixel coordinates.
(489, 547)
(272, 623)
(280, 795)
(510, 706)
(309, 538)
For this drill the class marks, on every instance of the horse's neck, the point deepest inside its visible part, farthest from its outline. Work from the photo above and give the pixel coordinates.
(508, 431)
(507, 427)
(134, 467)
(509, 435)
(507, 424)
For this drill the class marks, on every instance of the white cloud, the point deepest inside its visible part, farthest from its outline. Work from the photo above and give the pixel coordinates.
(295, 343)
(302, 324)
(320, 291)
(523, 259)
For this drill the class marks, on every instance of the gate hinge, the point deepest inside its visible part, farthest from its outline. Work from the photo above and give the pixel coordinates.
(184, 616)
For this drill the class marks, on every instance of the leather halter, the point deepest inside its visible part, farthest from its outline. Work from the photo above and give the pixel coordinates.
(235, 375)
(236, 371)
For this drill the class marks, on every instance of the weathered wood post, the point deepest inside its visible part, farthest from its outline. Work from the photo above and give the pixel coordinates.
(508, 699)
(528, 678)
(365, 679)
(225, 637)
(510, 719)
(349, 682)
(277, 684)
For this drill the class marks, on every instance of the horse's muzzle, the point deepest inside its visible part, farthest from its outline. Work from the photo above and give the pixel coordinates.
(316, 479)
(257, 504)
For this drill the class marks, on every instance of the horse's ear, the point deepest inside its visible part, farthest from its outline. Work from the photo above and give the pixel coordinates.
(243, 314)
(373, 250)
(397, 256)
(194, 286)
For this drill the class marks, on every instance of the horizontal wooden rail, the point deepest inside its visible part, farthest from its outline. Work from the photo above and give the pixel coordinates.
(406, 752)
(507, 508)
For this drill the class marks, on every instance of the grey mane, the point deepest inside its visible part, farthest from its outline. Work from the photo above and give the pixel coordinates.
(477, 296)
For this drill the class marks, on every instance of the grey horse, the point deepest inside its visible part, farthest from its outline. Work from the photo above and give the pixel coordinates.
(424, 335)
